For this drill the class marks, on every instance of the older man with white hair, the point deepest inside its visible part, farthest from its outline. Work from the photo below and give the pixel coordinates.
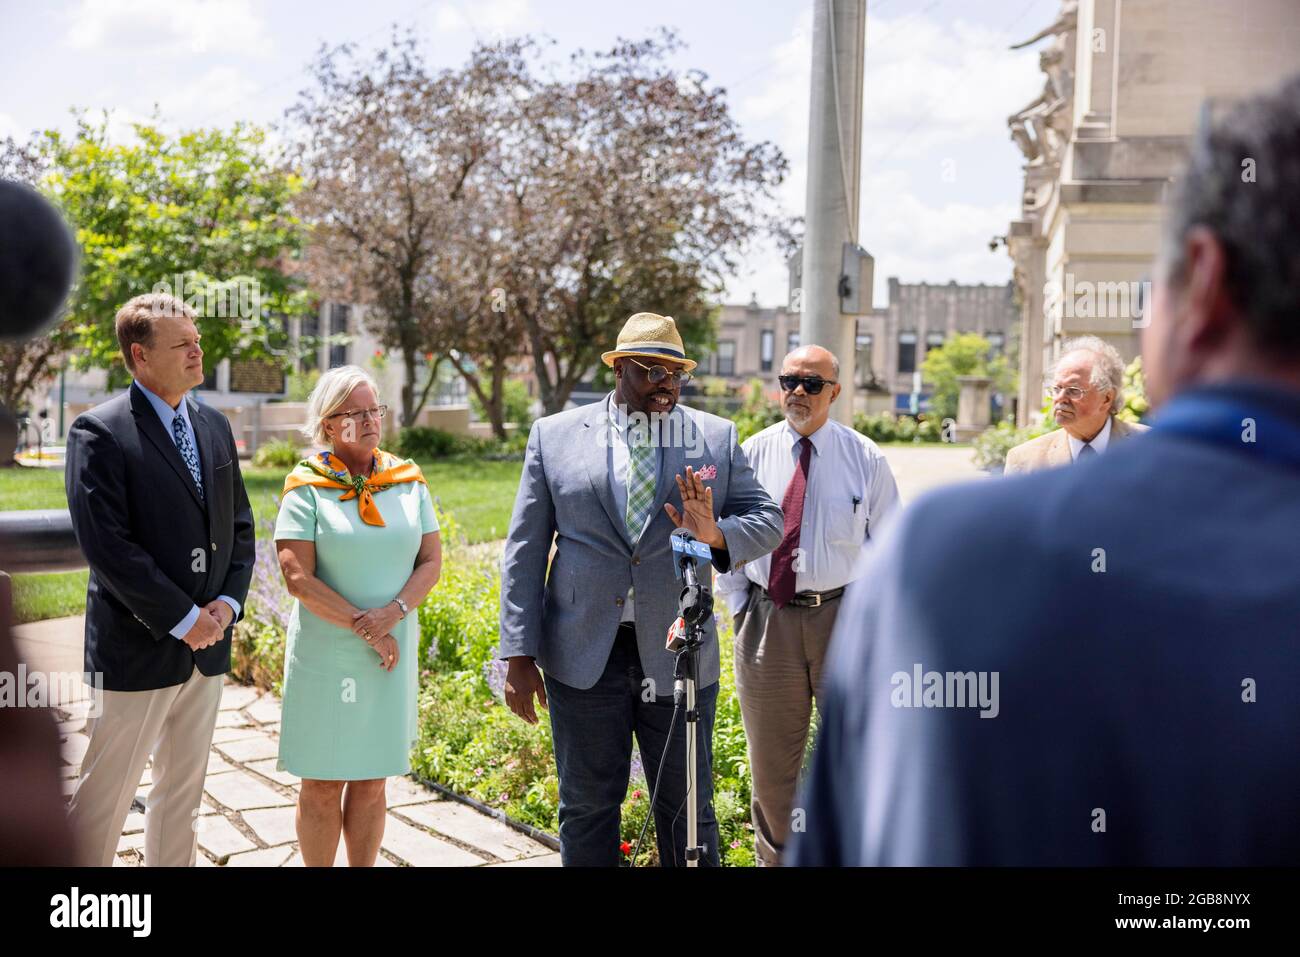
(1086, 383)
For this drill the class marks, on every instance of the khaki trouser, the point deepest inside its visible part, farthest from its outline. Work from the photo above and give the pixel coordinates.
(174, 725)
(778, 654)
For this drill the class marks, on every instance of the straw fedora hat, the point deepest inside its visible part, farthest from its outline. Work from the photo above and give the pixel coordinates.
(649, 336)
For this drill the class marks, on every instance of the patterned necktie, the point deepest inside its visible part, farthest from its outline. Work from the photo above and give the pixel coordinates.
(780, 580)
(640, 482)
(182, 439)
(1086, 452)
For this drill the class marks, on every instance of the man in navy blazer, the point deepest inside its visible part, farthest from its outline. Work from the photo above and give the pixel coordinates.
(160, 511)
(1099, 666)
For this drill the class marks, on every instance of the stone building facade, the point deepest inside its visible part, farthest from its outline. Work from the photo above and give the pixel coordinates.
(1125, 84)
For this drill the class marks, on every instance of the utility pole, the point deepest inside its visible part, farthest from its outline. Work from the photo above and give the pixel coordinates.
(834, 267)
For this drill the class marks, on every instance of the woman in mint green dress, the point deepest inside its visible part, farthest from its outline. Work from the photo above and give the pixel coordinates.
(358, 544)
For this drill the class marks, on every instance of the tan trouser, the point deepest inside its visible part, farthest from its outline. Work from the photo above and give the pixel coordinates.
(174, 724)
(779, 654)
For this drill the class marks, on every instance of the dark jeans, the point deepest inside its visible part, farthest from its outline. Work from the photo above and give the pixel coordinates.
(592, 733)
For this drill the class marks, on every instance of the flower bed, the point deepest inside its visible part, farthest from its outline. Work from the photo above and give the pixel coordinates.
(469, 740)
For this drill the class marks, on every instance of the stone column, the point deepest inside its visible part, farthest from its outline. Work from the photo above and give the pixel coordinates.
(973, 415)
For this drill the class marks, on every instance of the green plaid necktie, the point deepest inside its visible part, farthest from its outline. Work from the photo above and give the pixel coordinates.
(640, 482)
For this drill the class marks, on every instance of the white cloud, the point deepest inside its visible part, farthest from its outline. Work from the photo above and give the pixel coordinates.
(491, 17)
(9, 127)
(929, 84)
(218, 93)
(936, 98)
(178, 27)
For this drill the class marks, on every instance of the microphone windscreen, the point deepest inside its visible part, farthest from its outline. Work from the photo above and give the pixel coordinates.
(38, 262)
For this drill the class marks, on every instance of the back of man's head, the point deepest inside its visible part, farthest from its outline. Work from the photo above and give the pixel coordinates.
(1228, 281)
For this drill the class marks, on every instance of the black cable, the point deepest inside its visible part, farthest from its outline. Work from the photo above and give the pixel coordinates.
(654, 795)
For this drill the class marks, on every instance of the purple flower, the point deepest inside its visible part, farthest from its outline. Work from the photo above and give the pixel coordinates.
(638, 770)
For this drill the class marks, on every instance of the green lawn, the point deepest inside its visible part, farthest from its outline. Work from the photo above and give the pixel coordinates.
(50, 595)
(480, 494)
(24, 487)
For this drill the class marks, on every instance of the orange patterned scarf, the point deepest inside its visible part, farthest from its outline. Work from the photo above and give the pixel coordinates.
(327, 470)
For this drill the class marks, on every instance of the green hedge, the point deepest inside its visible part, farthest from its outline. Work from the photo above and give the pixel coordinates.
(426, 443)
(885, 427)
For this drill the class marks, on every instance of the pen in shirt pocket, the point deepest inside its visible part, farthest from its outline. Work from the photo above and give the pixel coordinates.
(857, 500)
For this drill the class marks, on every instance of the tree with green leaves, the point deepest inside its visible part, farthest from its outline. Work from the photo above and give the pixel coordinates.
(966, 353)
(203, 215)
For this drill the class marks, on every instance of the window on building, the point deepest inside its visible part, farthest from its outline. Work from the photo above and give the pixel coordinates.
(996, 342)
(792, 342)
(726, 357)
(338, 326)
(766, 347)
(933, 340)
(907, 352)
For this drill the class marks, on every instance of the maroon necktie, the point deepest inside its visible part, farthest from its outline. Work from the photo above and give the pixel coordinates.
(780, 580)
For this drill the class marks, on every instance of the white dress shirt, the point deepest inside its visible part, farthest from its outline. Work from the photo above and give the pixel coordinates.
(166, 414)
(850, 491)
(618, 459)
(1099, 441)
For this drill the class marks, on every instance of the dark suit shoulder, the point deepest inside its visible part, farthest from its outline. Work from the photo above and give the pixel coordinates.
(111, 411)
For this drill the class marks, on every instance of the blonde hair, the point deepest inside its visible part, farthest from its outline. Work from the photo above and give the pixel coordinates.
(328, 397)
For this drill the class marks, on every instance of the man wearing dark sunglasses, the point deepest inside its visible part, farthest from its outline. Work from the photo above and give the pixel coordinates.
(609, 483)
(834, 487)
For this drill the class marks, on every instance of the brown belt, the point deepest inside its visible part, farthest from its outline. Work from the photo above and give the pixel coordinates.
(808, 599)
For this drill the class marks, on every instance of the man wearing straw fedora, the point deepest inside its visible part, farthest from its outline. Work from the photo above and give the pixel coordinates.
(609, 482)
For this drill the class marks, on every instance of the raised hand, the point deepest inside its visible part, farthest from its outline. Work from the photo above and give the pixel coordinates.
(697, 510)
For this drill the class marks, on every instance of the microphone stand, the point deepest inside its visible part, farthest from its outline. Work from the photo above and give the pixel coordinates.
(694, 606)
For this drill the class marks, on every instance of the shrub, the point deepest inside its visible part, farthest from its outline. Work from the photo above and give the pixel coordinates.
(1136, 405)
(277, 453)
(929, 429)
(756, 413)
(993, 444)
(425, 442)
(878, 428)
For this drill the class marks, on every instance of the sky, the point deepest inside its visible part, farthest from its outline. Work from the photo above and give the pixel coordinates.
(940, 175)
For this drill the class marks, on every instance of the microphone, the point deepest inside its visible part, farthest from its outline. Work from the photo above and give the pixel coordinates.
(38, 262)
(695, 603)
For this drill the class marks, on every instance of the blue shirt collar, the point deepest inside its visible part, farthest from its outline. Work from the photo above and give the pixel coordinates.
(165, 412)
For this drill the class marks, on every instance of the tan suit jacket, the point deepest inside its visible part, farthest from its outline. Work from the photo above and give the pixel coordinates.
(1053, 449)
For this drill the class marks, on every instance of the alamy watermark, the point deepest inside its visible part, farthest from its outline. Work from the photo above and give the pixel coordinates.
(946, 689)
(658, 429)
(214, 299)
(1098, 300)
(49, 689)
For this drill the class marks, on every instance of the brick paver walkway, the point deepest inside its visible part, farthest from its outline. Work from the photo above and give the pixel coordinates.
(247, 817)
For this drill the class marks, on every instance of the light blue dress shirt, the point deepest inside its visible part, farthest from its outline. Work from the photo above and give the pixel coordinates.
(165, 415)
(850, 491)
(619, 458)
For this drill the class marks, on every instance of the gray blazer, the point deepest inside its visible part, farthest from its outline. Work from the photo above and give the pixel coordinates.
(568, 620)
